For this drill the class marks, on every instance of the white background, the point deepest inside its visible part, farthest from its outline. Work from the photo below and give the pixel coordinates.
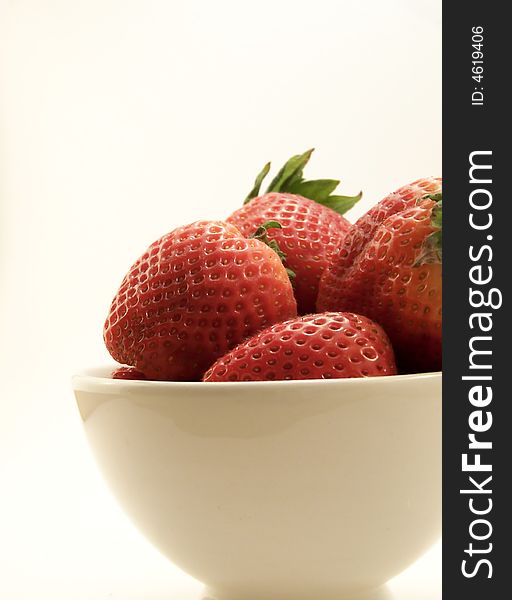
(119, 120)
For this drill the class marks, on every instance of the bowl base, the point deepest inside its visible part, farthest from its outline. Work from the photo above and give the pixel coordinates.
(382, 593)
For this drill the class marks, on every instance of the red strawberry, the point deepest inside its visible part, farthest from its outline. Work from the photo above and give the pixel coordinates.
(322, 346)
(192, 296)
(312, 225)
(389, 268)
(127, 373)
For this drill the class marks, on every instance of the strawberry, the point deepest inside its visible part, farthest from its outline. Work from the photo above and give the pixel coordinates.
(127, 373)
(312, 225)
(322, 346)
(192, 296)
(389, 268)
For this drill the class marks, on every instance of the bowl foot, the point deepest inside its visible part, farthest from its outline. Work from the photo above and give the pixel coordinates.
(382, 593)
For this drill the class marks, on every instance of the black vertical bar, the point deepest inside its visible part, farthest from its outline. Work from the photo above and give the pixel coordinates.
(475, 126)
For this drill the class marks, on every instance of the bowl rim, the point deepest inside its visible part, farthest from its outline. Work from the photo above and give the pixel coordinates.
(97, 378)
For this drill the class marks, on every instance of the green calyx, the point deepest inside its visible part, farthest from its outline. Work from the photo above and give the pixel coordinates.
(433, 247)
(261, 235)
(437, 222)
(290, 180)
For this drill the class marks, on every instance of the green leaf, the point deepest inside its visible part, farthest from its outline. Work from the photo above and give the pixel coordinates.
(437, 215)
(261, 235)
(290, 173)
(261, 232)
(437, 221)
(342, 204)
(290, 180)
(257, 183)
(432, 250)
(318, 189)
(291, 275)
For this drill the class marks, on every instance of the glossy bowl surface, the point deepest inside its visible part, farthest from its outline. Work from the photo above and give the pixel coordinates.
(274, 490)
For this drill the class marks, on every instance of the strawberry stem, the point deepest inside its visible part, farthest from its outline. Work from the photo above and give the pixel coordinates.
(290, 180)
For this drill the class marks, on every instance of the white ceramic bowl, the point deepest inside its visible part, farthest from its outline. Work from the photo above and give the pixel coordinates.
(274, 490)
